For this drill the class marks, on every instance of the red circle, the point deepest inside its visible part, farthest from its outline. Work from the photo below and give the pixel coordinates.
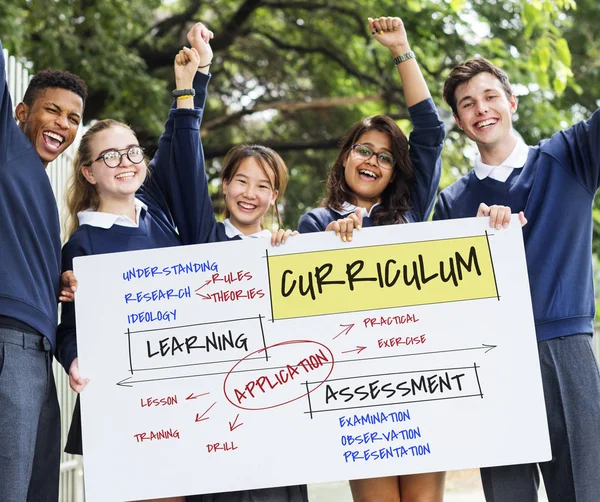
(267, 348)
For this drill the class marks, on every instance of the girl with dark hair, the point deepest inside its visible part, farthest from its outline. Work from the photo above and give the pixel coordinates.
(381, 178)
(252, 178)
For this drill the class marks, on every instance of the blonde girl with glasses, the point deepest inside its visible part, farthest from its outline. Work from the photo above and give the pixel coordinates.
(115, 204)
(382, 178)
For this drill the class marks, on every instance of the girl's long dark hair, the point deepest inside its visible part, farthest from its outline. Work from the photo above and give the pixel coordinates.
(395, 199)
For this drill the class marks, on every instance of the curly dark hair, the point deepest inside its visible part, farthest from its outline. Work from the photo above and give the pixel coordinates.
(47, 79)
(395, 199)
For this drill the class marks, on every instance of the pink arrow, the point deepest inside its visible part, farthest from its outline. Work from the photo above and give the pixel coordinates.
(233, 426)
(191, 396)
(345, 331)
(358, 349)
(200, 418)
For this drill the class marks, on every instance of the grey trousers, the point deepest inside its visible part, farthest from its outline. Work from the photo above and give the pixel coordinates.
(29, 419)
(571, 381)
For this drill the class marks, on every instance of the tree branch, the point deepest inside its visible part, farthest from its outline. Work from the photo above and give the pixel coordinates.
(316, 6)
(233, 28)
(155, 58)
(161, 28)
(292, 106)
(211, 152)
(325, 52)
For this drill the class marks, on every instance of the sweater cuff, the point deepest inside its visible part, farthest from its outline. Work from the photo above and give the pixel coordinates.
(186, 118)
(427, 105)
(70, 357)
(201, 81)
(426, 123)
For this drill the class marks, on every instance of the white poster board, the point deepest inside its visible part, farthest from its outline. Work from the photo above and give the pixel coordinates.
(237, 365)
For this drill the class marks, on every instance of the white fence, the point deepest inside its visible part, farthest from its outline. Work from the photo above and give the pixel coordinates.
(71, 479)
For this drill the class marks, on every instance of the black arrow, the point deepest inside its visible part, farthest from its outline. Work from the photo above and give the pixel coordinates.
(127, 382)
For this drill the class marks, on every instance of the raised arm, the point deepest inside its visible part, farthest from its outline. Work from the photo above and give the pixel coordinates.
(578, 149)
(8, 127)
(178, 166)
(192, 210)
(427, 138)
(390, 32)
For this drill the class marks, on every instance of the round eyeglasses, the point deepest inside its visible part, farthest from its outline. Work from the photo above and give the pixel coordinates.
(364, 152)
(113, 158)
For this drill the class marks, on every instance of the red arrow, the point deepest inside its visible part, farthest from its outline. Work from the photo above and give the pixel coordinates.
(191, 396)
(345, 331)
(200, 418)
(204, 297)
(208, 281)
(233, 426)
(358, 349)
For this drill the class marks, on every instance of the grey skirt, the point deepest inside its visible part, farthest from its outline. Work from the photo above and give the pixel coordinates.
(281, 494)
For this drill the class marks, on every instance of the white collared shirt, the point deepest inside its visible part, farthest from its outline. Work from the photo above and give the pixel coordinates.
(107, 220)
(232, 231)
(351, 208)
(501, 172)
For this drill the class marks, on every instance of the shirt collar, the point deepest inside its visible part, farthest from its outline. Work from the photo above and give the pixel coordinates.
(515, 160)
(350, 208)
(232, 232)
(107, 220)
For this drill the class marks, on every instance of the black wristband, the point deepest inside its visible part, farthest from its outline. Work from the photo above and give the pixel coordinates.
(206, 65)
(183, 92)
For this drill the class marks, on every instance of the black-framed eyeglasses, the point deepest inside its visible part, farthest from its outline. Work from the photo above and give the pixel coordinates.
(364, 152)
(113, 158)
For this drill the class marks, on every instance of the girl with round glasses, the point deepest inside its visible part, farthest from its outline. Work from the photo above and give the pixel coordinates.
(381, 178)
(113, 158)
(114, 203)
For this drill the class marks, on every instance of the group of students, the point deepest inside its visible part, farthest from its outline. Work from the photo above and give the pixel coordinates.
(118, 203)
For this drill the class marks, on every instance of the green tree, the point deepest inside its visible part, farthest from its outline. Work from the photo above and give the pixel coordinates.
(294, 74)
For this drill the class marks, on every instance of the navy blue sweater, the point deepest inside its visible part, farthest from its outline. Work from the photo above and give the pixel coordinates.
(193, 211)
(556, 190)
(29, 228)
(183, 183)
(179, 143)
(425, 148)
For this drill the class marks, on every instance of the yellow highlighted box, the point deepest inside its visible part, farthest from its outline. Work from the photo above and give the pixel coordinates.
(377, 277)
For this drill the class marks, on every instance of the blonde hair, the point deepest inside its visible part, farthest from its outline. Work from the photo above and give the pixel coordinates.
(267, 159)
(81, 194)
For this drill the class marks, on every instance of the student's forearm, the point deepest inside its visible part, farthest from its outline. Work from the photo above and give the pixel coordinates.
(413, 83)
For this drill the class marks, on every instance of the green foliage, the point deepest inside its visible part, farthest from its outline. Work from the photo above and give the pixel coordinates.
(296, 74)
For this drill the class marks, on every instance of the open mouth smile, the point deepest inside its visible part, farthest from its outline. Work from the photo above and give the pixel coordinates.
(53, 140)
(246, 206)
(367, 175)
(485, 123)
